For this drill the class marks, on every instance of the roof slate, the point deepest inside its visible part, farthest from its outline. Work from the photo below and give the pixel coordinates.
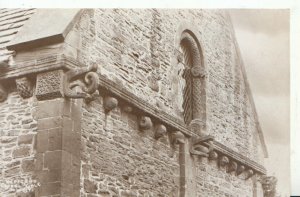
(11, 21)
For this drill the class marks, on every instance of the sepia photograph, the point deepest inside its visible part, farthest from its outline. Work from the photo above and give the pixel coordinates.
(145, 102)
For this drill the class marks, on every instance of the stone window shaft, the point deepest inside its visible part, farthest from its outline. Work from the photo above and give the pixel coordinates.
(194, 101)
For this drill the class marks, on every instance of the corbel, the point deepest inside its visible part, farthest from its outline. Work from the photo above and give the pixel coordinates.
(177, 138)
(223, 161)
(232, 167)
(160, 130)
(86, 79)
(24, 87)
(202, 146)
(213, 155)
(145, 123)
(240, 169)
(249, 173)
(110, 103)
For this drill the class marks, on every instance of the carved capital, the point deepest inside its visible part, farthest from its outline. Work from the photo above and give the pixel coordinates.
(224, 161)
(232, 167)
(200, 148)
(198, 71)
(160, 131)
(110, 103)
(177, 138)
(145, 123)
(86, 79)
(49, 85)
(197, 126)
(24, 87)
(269, 185)
(3, 93)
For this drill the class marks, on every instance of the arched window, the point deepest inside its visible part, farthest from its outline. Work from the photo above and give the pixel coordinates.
(194, 102)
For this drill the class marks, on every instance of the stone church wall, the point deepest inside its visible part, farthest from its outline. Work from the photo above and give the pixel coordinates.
(76, 147)
(18, 128)
(138, 50)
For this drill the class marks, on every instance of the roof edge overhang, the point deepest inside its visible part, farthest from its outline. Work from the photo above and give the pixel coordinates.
(248, 90)
(45, 27)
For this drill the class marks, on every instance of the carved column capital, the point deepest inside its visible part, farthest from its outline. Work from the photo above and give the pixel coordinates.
(269, 185)
(200, 148)
(49, 85)
(24, 87)
(3, 93)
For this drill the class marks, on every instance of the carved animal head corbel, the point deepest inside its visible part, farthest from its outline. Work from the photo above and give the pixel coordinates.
(202, 146)
(232, 167)
(86, 79)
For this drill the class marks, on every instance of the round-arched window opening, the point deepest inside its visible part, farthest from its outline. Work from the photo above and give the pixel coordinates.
(194, 101)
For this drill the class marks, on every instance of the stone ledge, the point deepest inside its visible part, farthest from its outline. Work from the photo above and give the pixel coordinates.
(223, 150)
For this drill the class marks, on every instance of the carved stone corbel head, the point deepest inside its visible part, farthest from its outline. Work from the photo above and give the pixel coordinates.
(24, 87)
(249, 174)
(160, 130)
(177, 138)
(224, 161)
(145, 123)
(110, 103)
(213, 155)
(232, 167)
(240, 169)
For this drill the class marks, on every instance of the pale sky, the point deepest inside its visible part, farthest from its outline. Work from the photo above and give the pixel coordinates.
(263, 37)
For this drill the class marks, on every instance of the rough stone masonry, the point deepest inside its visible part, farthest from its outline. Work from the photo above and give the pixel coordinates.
(126, 102)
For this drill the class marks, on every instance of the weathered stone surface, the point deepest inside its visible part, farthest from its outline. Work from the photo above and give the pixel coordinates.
(21, 152)
(49, 85)
(139, 50)
(24, 87)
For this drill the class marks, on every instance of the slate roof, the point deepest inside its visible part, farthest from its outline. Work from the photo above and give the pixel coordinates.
(11, 21)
